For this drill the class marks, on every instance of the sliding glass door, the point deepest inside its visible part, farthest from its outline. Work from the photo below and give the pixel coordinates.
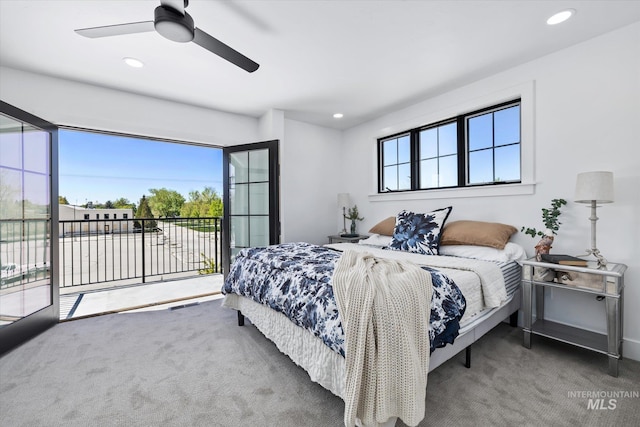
(28, 208)
(251, 200)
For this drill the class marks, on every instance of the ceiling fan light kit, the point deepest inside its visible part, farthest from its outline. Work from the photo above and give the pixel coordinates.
(178, 26)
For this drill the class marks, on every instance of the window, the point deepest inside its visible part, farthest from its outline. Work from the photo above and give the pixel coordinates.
(396, 163)
(493, 141)
(438, 155)
(115, 216)
(477, 148)
(125, 216)
(106, 216)
(97, 216)
(86, 216)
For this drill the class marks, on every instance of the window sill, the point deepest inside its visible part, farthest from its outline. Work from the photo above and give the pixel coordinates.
(455, 193)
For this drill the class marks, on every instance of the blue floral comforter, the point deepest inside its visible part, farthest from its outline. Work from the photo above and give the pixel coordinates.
(295, 279)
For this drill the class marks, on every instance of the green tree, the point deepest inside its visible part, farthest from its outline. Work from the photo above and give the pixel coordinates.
(202, 204)
(165, 203)
(190, 209)
(144, 211)
(108, 204)
(215, 204)
(62, 200)
(123, 203)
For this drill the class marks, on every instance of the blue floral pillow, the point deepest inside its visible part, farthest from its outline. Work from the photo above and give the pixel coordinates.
(419, 232)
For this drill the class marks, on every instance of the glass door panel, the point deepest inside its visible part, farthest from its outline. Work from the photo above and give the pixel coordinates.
(259, 165)
(259, 230)
(259, 196)
(28, 288)
(239, 234)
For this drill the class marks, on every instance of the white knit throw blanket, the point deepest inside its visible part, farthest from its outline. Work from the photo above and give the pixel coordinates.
(384, 307)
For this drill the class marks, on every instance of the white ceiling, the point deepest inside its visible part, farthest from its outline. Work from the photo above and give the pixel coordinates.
(361, 58)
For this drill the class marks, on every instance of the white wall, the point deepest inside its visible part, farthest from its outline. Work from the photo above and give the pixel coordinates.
(310, 180)
(271, 125)
(64, 102)
(586, 115)
(309, 176)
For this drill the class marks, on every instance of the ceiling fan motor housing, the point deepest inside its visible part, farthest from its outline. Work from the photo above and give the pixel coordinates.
(173, 25)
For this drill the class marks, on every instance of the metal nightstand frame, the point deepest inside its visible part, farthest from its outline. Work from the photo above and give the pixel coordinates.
(612, 290)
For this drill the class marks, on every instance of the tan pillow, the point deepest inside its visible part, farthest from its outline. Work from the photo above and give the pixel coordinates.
(492, 234)
(385, 227)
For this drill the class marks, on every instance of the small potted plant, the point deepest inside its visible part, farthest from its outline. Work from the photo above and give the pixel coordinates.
(552, 224)
(353, 215)
(549, 219)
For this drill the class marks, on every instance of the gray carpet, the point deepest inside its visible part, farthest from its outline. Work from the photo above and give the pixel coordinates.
(195, 367)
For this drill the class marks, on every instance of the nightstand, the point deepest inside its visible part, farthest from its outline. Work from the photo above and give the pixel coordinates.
(607, 284)
(336, 238)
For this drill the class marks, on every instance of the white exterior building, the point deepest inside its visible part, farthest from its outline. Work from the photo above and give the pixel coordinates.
(95, 221)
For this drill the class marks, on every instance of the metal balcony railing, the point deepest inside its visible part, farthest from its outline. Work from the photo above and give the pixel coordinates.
(96, 251)
(24, 252)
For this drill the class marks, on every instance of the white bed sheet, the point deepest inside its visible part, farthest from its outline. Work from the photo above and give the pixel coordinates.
(467, 281)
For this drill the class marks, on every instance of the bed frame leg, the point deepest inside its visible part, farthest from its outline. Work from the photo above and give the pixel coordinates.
(513, 319)
(240, 318)
(467, 354)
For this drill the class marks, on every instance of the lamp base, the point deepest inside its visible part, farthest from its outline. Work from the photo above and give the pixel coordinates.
(602, 261)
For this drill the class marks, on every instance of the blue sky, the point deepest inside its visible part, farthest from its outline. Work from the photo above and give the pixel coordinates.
(97, 167)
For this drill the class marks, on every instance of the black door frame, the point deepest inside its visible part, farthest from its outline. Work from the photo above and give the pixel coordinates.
(18, 332)
(274, 195)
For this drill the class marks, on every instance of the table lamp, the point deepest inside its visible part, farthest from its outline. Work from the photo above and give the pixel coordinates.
(344, 201)
(594, 188)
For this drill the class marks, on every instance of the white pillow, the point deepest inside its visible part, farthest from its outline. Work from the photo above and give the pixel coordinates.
(511, 252)
(377, 240)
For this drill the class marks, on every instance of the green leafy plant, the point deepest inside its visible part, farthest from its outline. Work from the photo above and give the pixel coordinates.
(209, 265)
(549, 219)
(353, 215)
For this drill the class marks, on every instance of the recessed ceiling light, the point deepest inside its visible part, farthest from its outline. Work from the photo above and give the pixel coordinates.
(338, 115)
(561, 17)
(133, 62)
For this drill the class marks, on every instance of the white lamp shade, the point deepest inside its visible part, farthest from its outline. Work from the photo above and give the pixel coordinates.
(343, 200)
(596, 186)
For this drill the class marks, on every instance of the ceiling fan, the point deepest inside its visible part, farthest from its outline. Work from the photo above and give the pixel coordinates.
(174, 23)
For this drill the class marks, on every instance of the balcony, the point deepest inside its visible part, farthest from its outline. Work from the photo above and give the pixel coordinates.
(117, 264)
(168, 294)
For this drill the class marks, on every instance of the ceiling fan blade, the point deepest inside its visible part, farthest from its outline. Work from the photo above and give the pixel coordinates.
(216, 46)
(117, 30)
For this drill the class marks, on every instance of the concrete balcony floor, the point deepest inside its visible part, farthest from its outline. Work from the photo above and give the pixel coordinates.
(159, 295)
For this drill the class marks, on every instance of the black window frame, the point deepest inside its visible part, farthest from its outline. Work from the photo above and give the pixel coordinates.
(398, 163)
(462, 150)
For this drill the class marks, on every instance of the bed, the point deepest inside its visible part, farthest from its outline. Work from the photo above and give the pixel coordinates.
(462, 283)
